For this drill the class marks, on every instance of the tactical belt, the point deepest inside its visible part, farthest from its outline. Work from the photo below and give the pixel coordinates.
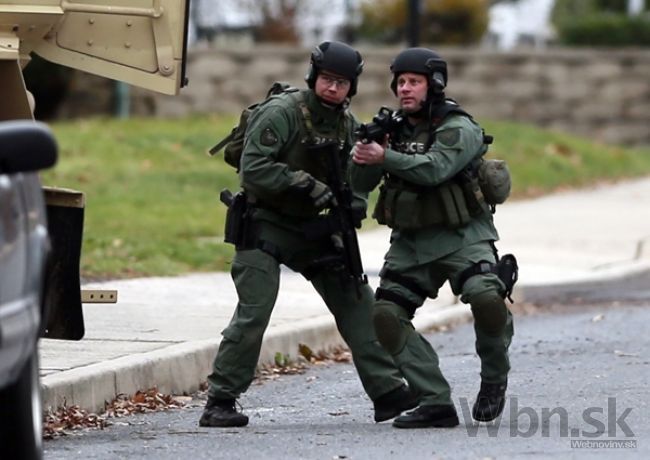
(276, 209)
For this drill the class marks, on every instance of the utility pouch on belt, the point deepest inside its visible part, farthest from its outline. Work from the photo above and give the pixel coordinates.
(236, 217)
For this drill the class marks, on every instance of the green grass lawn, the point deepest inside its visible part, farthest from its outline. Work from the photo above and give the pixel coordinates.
(152, 192)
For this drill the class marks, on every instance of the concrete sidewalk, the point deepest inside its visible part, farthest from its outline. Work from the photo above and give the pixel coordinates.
(164, 332)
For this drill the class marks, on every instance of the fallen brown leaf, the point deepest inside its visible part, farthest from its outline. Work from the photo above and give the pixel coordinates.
(67, 419)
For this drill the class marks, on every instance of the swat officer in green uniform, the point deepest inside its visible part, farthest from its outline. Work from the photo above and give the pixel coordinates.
(283, 173)
(442, 231)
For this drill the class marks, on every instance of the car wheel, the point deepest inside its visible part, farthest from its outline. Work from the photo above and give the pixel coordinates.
(21, 412)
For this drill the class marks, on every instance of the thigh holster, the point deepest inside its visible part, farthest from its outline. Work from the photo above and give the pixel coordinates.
(506, 269)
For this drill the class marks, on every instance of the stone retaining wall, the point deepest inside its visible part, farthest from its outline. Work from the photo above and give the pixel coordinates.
(602, 94)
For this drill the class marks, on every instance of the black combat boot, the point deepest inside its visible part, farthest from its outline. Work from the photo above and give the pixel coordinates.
(222, 412)
(438, 416)
(490, 401)
(394, 402)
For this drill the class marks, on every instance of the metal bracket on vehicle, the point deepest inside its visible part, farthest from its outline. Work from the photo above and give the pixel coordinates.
(98, 296)
(65, 216)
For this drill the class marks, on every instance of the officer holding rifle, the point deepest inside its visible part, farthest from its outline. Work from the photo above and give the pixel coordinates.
(296, 209)
(427, 157)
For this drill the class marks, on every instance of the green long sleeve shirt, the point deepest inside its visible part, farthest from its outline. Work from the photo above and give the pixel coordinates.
(458, 139)
(276, 150)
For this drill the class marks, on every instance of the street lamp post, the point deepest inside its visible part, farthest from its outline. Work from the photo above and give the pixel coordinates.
(413, 23)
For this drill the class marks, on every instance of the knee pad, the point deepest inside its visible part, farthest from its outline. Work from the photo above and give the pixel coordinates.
(388, 327)
(490, 312)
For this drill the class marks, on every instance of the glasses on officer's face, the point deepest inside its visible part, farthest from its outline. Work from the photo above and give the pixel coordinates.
(342, 83)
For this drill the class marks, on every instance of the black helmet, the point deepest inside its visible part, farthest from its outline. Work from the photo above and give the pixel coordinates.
(422, 61)
(337, 58)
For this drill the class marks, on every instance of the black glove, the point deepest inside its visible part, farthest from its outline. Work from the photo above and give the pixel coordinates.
(357, 214)
(319, 192)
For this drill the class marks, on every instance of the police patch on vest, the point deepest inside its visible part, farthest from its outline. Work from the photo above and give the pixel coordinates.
(449, 137)
(268, 137)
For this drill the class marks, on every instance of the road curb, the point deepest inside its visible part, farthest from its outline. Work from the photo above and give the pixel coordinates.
(576, 288)
(180, 368)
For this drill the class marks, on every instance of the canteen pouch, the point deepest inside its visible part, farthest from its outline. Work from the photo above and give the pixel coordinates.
(494, 180)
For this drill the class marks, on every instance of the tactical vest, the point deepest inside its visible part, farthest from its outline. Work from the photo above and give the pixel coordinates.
(405, 206)
(304, 154)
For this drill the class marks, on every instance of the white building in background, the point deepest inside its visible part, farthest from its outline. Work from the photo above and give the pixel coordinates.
(511, 23)
(210, 19)
(635, 6)
(328, 20)
(528, 22)
(216, 20)
(517, 23)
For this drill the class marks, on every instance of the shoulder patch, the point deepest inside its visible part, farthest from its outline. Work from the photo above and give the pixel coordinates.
(268, 137)
(449, 137)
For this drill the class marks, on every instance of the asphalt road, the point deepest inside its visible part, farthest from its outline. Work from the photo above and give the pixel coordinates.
(579, 375)
(579, 383)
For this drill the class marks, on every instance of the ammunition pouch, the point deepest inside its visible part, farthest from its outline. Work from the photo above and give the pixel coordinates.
(238, 226)
(506, 269)
(405, 207)
(469, 181)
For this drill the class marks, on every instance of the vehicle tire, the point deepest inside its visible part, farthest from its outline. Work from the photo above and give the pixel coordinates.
(21, 415)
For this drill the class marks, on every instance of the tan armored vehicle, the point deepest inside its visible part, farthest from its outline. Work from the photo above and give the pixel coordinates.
(141, 42)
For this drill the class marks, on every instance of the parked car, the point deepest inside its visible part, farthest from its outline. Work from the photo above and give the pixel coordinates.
(25, 148)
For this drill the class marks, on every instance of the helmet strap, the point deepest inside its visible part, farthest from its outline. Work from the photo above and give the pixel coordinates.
(422, 111)
(342, 106)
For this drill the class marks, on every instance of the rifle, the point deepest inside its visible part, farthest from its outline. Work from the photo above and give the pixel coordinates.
(340, 219)
(385, 122)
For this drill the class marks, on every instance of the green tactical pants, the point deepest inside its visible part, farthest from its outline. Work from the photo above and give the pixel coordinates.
(256, 275)
(414, 355)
